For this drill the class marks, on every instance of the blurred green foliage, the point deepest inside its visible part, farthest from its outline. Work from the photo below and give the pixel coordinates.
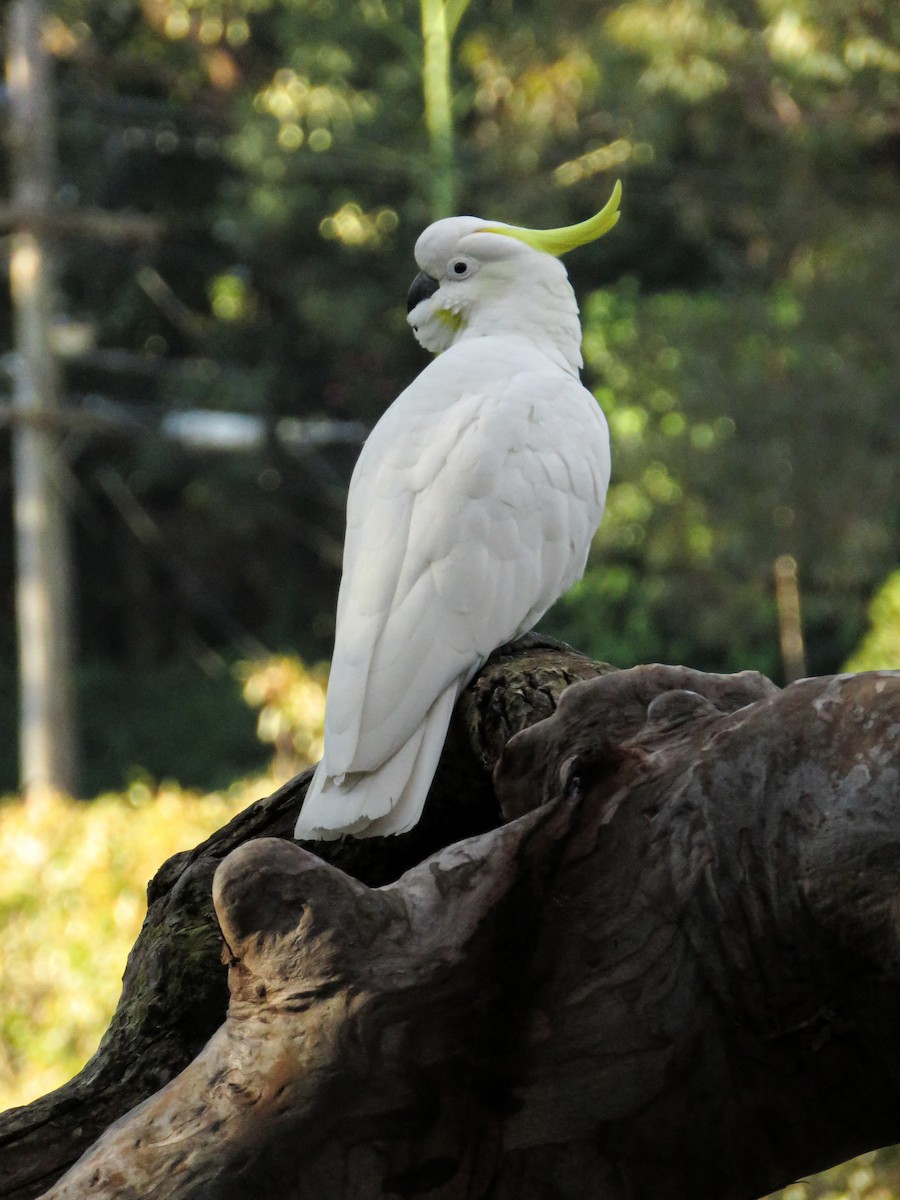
(874, 1176)
(746, 426)
(176, 720)
(739, 324)
(72, 900)
(291, 700)
(880, 648)
(73, 891)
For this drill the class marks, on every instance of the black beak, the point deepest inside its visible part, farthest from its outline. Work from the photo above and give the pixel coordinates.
(423, 286)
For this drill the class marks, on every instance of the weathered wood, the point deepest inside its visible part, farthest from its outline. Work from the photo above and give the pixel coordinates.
(175, 994)
(675, 974)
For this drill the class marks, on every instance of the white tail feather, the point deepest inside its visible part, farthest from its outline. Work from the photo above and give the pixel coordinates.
(386, 800)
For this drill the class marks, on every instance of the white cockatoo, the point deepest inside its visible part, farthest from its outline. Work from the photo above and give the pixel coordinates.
(470, 511)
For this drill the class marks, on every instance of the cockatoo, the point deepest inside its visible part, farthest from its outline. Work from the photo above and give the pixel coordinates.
(470, 511)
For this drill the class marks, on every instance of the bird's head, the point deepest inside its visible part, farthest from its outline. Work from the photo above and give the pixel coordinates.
(482, 277)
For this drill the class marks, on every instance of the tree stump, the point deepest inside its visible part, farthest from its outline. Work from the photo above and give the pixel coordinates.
(668, 964)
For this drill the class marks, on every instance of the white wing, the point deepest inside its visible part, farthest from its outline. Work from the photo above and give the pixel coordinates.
(471, 510)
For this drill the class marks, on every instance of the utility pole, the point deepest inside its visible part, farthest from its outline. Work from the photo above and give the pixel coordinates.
(47, 741)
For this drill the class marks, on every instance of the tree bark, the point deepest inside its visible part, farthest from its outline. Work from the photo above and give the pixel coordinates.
(673, 970)
(175, 990)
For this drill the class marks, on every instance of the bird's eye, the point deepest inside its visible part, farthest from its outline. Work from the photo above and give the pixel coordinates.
(459, 268)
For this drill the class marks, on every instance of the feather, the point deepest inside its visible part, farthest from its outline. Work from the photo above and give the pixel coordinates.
(471, 509)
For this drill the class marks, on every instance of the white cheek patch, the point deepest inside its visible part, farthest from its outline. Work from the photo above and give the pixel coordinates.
(435, 323)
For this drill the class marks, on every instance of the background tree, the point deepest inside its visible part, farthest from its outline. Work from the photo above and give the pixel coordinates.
(739, 326)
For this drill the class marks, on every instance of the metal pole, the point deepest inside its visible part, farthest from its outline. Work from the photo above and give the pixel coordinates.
(43, 559)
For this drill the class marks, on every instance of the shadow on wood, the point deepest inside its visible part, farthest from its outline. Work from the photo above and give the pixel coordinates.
(674, 971)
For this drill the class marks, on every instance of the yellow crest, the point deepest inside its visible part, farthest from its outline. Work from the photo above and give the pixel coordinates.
(560, 241)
